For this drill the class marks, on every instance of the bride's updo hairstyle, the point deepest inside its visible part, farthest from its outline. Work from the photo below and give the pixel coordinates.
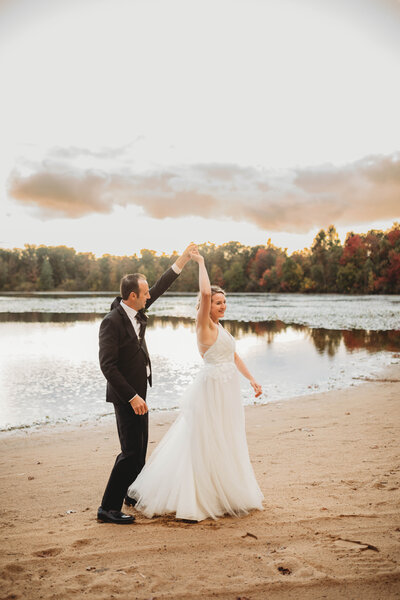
(215, 289)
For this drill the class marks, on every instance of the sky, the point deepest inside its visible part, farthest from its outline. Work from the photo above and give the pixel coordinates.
(129, 124)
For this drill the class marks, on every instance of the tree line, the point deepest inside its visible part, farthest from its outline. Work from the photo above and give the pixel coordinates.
(365, 264)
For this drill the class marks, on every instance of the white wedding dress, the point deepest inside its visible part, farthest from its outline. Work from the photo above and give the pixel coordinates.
(201, 468)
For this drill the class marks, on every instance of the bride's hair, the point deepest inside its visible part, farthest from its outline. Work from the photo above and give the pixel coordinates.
(215, 289)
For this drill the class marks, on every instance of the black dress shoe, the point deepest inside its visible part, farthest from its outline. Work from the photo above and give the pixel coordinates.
(114, 516)
(130, 501)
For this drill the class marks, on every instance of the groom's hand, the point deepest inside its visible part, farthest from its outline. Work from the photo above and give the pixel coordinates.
(187, 252)
(185, 256)
(138, 405)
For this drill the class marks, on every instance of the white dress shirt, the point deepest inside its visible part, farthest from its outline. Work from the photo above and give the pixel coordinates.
(176, 269)
(131, 312)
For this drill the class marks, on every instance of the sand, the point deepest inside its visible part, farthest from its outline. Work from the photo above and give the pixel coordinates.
(328, 465)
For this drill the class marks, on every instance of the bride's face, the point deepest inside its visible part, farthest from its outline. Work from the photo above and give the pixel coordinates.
(218, 306)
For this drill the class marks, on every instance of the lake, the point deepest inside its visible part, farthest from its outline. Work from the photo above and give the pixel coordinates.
(293, 344)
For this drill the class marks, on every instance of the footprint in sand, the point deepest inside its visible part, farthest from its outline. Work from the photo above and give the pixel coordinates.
(81, 543)
(284, 570)
(11, 571)
(380, 485)
(47, 552)
(362, 557)
(213, 525)
(287, 565)
(389, 484)
(177, 523)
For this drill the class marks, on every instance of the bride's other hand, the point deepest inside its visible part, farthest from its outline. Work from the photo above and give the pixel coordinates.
(196, 256)
(257, 388)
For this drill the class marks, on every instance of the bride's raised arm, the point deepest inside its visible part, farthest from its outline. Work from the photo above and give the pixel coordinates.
(203, 314)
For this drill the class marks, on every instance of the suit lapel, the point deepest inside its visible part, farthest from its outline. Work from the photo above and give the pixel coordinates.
(132, 333)
(127, 324)
(131, 330)
(142, 318)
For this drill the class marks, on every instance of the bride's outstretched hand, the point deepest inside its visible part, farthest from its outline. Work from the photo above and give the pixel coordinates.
(257, 388)
(196, 256)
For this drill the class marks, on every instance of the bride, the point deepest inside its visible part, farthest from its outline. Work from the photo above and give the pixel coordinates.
(201, 468)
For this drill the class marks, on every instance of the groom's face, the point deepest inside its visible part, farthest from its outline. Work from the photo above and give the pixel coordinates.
(139, 300)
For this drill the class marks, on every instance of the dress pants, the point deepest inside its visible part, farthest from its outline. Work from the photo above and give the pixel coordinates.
(133, 435)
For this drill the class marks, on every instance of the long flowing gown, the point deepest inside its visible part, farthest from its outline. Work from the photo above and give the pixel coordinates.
(201, 468)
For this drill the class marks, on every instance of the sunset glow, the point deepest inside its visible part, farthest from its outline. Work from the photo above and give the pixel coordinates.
(131, 124)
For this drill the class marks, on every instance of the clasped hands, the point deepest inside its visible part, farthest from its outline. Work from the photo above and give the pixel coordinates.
(192, 253)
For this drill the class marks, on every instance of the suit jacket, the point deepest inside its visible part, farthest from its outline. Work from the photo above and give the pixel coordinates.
(123, 357)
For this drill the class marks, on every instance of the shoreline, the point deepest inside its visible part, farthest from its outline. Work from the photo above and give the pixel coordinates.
(67, 423)
(328, 465)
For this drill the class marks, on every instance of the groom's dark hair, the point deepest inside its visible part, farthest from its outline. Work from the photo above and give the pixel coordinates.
(130, 283)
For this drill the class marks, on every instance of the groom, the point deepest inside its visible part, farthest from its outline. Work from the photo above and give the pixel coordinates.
(125, 363)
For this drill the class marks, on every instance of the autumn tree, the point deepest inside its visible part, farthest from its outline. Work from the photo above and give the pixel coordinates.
(367, 263)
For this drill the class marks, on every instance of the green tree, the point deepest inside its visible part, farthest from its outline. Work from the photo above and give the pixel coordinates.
(292, 275)
(105, 271)
(216, 276)
(147, 264)
(3, 273)
(46, 281)
(29, 268)
(346, 278)
(234, 278)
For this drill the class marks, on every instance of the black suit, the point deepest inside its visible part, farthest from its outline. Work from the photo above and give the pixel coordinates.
(123, 360)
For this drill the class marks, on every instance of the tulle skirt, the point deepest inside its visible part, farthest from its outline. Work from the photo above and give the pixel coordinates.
(201, 468)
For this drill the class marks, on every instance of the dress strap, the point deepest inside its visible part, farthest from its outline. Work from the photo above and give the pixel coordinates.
(203, 348)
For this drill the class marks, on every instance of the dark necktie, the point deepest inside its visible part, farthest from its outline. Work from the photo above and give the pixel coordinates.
(141, 319)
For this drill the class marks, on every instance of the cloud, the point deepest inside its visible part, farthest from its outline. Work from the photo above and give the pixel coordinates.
(73, 152)
(55, 193)
(293, 201)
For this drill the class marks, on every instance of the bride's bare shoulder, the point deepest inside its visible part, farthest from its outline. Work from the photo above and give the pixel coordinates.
(206, 333)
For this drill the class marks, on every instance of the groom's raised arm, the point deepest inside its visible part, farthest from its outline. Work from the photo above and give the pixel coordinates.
(167, 278)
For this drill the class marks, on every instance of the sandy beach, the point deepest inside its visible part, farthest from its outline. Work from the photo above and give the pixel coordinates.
(328, 465)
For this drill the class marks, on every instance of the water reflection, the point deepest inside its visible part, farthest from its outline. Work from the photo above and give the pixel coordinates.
(49, 317)
(49, 362)
(326, 341)
(372, 341)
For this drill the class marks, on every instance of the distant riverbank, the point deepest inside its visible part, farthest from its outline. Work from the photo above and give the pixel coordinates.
(364, 264)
